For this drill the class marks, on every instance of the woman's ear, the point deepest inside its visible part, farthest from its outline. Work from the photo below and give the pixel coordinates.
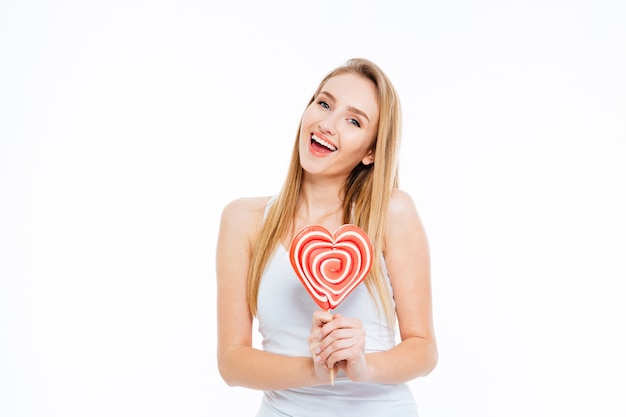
(369, 158)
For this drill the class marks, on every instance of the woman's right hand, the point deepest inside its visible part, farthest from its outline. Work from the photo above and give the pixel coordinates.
(320, 318)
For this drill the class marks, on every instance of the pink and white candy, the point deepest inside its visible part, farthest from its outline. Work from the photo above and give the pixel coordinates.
(331, 266)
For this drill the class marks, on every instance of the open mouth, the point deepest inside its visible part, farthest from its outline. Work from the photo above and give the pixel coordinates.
(321, 143)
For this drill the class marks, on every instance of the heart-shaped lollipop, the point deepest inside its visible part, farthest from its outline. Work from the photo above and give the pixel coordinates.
(331, 266)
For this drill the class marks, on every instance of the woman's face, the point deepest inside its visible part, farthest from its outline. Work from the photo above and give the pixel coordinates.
(339, 127)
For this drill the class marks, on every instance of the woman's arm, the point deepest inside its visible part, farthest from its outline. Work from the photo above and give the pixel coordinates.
(408, 261)
(239, 363)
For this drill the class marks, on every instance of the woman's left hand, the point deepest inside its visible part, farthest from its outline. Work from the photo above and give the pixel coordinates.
(342, 345)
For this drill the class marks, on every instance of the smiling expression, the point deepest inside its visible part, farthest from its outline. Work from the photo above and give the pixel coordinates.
(338, 128)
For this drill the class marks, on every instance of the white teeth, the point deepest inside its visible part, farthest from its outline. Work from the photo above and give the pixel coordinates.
(324, 143)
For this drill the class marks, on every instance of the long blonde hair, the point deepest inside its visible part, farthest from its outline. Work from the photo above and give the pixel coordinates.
(366, 193)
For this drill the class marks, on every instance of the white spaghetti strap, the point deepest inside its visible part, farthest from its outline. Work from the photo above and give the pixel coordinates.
(269, 204)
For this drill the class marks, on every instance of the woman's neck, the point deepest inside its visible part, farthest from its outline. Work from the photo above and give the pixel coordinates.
(320, 204)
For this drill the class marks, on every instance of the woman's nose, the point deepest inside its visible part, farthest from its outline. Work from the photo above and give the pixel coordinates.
(328, 125)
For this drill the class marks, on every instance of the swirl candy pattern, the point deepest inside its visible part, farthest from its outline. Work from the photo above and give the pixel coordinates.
(331, 266)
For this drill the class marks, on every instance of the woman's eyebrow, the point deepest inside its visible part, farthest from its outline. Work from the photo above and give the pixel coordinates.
(350, 108)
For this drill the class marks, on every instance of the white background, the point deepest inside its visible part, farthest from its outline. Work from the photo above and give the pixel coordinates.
(125, 126)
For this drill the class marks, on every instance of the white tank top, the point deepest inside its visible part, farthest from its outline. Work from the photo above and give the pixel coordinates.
(285, 313)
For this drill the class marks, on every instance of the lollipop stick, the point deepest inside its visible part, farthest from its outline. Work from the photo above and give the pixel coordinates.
(332, 370)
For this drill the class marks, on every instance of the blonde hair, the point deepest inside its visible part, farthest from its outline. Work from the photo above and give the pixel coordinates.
(366, 193)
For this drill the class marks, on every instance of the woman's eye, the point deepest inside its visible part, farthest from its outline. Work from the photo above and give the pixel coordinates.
(355, 122)
(324, 104)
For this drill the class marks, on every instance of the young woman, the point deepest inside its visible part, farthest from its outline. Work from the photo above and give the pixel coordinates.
(343, 169)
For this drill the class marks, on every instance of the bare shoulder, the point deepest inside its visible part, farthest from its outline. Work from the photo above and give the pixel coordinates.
(243, 215)
(403, 218)
(400, 206)
(244, 208)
